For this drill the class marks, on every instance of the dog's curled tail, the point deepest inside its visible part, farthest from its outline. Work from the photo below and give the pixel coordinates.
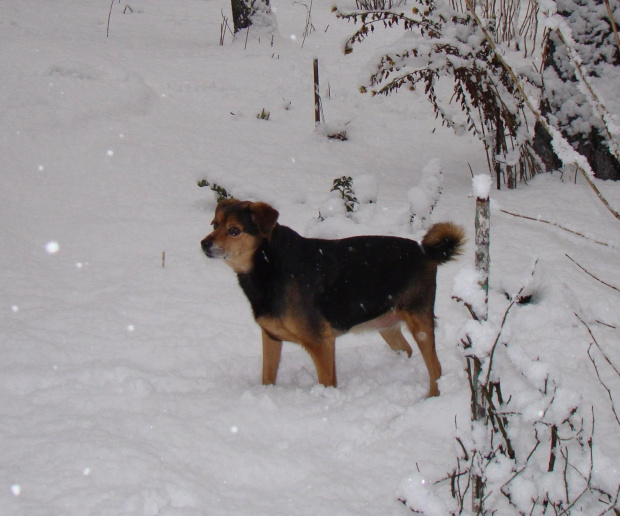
(443, 242)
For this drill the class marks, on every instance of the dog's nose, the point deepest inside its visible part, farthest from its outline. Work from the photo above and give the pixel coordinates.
(206, 246)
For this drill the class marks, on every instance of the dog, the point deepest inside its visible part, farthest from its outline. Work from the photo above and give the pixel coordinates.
(310, 291)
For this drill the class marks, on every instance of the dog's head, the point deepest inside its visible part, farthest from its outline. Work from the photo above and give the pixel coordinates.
(239, 227)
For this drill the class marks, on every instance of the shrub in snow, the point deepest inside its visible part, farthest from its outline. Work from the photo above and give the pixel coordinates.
(350, 201)
(220, 192)
(335, 131)
(424, 197)
(416, 492)
(263, 115)
(439, 42)
(344, 186)
(531, 444)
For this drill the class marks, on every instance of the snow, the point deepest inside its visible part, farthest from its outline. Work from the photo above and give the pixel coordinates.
(424, 197)
(481, 185)
(128, 387)
(467, 288)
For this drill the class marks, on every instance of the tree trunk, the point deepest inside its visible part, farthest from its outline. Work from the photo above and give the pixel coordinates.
(244, 10)
(562, 102)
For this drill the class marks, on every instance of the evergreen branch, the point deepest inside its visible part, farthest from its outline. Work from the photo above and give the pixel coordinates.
(594, 99)
(612, 22)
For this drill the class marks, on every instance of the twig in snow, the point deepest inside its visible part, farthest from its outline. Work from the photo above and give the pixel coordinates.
(556, 225)
(223, 28)
(606, 324)
(515, 300)
(609, 395)
(592, 275)
(309, 26)
(107, 34)
(247, 34)
(597, 345)
(588, 479)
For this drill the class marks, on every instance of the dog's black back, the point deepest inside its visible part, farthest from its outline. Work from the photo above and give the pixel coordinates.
(348, 281)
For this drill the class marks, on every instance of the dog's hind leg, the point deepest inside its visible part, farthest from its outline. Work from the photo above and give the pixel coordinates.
(324, 357)
(422, 327)
(396, 340)
(272, 350)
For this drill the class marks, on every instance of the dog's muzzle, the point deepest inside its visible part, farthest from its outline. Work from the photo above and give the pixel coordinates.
(207, 247)
(212, 250)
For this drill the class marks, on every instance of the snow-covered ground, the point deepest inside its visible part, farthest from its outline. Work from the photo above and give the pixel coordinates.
(131, 385)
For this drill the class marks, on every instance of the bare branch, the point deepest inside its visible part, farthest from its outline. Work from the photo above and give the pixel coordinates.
(598, 345)
(515, 299)
(592, 275)
(557, 226)
(609, 395)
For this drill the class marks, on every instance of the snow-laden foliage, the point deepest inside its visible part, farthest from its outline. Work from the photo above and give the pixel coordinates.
(581, 47)
(440, 42)
(529, 449)
(567, 107)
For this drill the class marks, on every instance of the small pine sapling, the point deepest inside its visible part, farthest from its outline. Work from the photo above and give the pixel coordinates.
(344, 185)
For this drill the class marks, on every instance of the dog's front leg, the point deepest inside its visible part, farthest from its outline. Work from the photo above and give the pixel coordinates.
(272, 350)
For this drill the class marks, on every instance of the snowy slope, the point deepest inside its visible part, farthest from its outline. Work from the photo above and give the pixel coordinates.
(128, 387)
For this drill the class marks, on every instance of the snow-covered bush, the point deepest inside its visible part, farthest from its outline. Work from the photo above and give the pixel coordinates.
(532, 445)
(442, 42)
(424, 197)
(529, 445)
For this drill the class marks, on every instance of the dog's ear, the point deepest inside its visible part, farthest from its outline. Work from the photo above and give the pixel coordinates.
(265, 217)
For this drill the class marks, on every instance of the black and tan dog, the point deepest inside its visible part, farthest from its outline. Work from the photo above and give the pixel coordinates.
(310, 291)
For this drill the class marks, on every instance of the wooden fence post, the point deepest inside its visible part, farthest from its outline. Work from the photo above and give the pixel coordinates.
(317, 98)
(482, 257)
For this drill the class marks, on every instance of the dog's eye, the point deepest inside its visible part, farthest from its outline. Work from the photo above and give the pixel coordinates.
(215, 225)
(234, 231)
